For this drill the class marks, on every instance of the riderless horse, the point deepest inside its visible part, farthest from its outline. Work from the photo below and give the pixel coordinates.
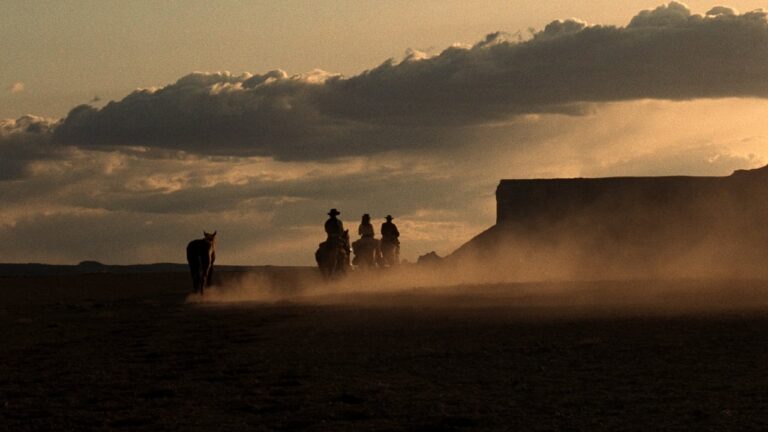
(201, 254)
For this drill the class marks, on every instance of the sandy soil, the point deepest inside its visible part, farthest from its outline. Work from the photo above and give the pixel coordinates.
(128, 352)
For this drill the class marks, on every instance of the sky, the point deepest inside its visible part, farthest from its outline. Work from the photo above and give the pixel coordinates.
(128, 128)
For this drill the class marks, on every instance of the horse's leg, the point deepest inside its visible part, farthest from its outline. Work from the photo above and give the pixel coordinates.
(210, 268)
(195, 272)
(200, 279)
(322, 257)
(342, 261)
(205, 281)
(196, 283)
(333, 264)
(204, 269)
(210, 275)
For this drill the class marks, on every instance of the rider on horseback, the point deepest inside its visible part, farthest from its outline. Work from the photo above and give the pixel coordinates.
(390, 243)
(365, 229)
(337, 236)
(333, 254)
(389, 232)
(366, 249)
(333, 226)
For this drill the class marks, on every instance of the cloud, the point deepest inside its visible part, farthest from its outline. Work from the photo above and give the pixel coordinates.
(220, 114)
(423, 101)
(23, 141)
(722, 11)
(674, 14)
(16, 87)
(666, 53)
(704, 160)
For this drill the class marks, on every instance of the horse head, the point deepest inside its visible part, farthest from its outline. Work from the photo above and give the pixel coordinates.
(210, 237)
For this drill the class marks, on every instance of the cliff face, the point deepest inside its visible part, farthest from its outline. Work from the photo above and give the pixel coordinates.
(635, 223)
(550, 200)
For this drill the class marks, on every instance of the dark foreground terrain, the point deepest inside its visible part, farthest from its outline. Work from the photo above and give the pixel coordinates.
(126, 352)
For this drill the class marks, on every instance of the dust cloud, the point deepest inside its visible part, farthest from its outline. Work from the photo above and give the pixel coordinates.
(550, 282)
(621, 246)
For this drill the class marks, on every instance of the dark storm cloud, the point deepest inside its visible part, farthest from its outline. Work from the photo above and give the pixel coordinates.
(274, 117)
(665, 53)
(23, 141)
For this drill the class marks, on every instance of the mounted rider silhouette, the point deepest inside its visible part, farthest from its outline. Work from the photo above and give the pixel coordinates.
(334, 227)
(332, 255)
(366, 248)
(365, 229)
(390, 243)
(335, 230)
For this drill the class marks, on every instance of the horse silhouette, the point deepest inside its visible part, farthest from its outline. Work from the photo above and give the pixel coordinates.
(332, 256)
(390, 252)
(367, 252)
(201, 254)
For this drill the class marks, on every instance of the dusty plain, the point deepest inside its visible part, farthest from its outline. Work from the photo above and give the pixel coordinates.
(135, 352)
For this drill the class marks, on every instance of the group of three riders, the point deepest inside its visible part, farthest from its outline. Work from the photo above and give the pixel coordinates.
(334, 228)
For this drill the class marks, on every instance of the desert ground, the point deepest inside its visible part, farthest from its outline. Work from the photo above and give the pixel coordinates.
(137, 352)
